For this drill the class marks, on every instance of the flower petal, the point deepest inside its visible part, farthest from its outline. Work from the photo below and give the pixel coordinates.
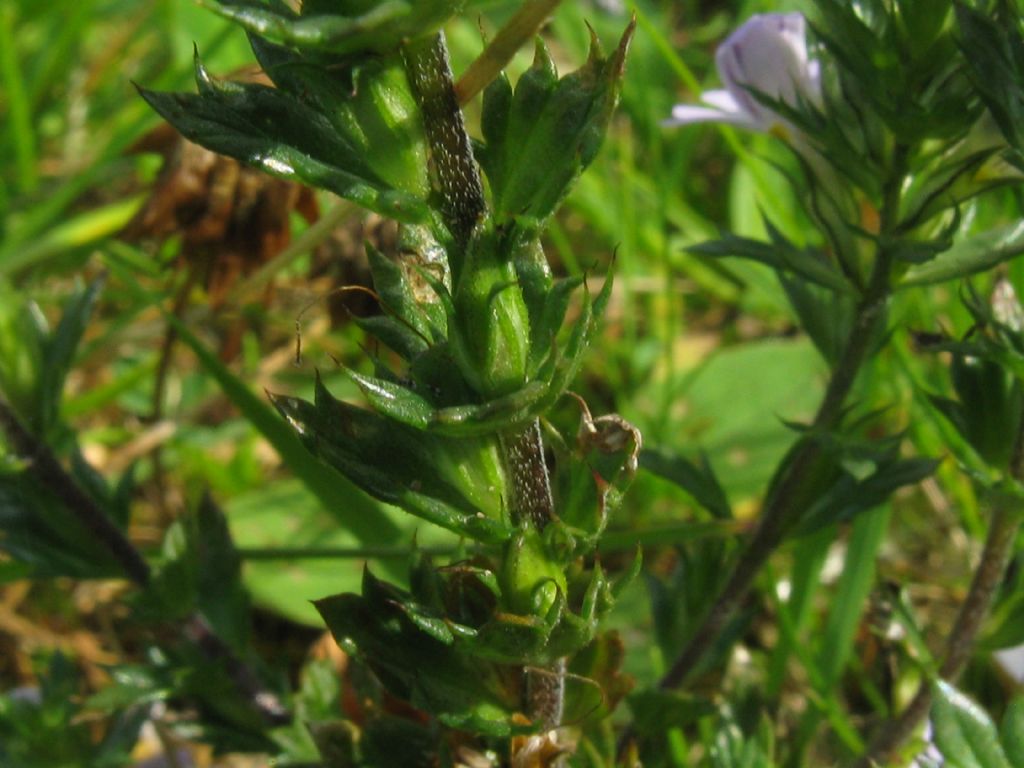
(768, 54)
(720, 99)
(687, 114)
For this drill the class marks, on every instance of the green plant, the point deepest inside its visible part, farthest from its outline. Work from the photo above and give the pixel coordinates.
(457, 451)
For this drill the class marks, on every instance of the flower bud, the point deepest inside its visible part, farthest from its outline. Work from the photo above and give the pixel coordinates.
(491, 341)
(531, 581)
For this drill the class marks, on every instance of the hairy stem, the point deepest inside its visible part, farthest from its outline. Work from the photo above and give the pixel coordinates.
(528, 475)
(531, 502)
(499, 52)
(463, 205)
(451, 152)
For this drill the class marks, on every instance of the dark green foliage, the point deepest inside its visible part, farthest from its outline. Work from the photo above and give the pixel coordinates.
(43, 727)
(315, 140)
(342, 28)
(540, 136)
(993, 46)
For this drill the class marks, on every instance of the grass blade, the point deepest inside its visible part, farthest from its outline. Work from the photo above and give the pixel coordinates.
(363, 517)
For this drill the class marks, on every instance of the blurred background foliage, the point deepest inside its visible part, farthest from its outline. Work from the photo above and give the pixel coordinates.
(701, 354)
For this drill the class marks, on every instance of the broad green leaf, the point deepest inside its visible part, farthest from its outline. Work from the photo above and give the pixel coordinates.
(352, 509)
(964, 732)
(286, 516)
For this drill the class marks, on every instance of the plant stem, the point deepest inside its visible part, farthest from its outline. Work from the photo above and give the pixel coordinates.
(531, 501)
(780, 512)
(784, 502)
(528, 475)
(1002, 535)
(458, 178)
(499, 52)
(463, 205)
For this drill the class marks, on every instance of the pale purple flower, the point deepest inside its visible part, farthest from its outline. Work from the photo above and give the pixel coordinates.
(767, 55)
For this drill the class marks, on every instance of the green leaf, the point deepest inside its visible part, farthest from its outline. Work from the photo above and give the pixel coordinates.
(375, 113)
(855, 584)
(782, 255)
(283, 136)
(365, 519)
(395, 401)
(1012, 731)
(969, 256)
(39, 531)
(848, 495)
(445, 481)
(59, 352)
(23, 339)
(826, 316)
(222, 599)
(964, 732)
(331, 28)
(698, 481)
(993, 48)
(541, 136)
(463, 692)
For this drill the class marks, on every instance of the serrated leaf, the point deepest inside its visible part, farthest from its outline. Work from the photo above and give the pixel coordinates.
(276, 132)
(541, 136)
(964, 732)
(381, 27)
(969, 256)
(806, 263)
(449, 482)
(395, 401)
(413, 665)
(369, 105)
